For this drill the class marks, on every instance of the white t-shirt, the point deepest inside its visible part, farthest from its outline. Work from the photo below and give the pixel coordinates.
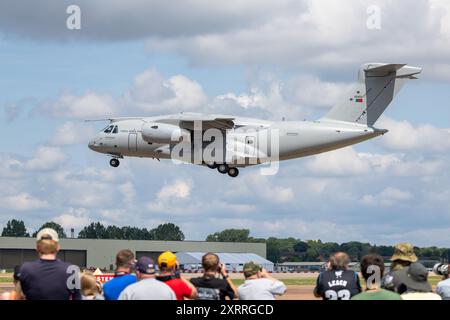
(261, 289)
(148, 289)
(443, 289)
(421, 296)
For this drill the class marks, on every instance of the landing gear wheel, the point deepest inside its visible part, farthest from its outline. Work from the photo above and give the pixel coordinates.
(114, 162)
(222, 168)
(233, 172)
(212, 165)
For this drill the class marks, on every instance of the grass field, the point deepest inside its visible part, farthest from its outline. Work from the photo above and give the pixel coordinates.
(291, 281)
(288, 282)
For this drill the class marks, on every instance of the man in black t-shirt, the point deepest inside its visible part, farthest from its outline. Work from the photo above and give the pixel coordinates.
(210, 287)
(338, 283)
(49, 278)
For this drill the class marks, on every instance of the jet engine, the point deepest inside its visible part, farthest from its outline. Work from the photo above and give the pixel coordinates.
(163, 133)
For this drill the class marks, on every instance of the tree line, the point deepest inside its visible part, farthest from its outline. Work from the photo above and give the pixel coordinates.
(278, 250)
(296, 250)
(96, 230)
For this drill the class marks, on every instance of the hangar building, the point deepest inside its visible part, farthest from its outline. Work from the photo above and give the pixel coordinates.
(233, 261)
(101, 252)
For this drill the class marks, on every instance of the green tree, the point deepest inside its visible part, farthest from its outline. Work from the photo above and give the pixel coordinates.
(167, 232)
(15, 228)
(281, 250)
(230, 235)
(133, 233)
(301, 247)
(114, 232)
(95, 230)
(53, 225)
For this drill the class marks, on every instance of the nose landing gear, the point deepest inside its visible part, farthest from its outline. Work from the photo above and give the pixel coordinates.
(114, 162)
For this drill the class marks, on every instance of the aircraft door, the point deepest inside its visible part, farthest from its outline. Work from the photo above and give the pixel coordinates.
(250, 146)
(132, 142)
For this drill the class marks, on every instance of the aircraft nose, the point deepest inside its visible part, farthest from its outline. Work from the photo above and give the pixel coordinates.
(93, 145)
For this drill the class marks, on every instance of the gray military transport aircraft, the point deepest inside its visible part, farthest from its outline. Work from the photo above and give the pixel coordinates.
(227, 143)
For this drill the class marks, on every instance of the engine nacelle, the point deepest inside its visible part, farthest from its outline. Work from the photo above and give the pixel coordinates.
(163, 133)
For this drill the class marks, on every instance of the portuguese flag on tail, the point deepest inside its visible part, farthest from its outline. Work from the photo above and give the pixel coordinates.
(359, 99)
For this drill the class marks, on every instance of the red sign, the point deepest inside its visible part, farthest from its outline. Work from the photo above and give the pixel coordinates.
(104, 277)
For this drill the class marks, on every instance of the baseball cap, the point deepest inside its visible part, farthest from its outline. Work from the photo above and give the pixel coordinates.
(47, 234)
(167, 260)
(415, 277)
(404, 252)
(251, 268)
(145, 265)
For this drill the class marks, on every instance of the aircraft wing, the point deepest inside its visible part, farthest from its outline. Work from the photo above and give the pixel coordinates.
(187, 121)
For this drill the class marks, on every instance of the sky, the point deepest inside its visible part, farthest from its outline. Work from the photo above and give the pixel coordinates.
(256, 58)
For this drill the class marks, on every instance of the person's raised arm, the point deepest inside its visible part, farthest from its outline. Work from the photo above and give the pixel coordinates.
(226, 276)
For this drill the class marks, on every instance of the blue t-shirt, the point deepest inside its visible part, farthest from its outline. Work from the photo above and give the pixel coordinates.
(114, 287)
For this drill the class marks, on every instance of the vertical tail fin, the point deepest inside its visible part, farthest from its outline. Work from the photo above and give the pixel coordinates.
(378, 83)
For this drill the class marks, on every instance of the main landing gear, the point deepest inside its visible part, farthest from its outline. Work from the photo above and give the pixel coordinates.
(114, 162)
(224, 169)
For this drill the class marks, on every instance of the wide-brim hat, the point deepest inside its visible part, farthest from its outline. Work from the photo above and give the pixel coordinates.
(404, 252)
(415, 278)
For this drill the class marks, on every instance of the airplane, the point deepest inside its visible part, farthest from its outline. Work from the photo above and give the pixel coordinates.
(238, 142)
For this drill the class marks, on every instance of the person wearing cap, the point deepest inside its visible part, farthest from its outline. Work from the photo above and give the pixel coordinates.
(123, 276)
(415, 278)
(168, 273)
(147, 287)
(401, 259)
(48, 278)
(17, 293)
(372, 270)
(259, 285)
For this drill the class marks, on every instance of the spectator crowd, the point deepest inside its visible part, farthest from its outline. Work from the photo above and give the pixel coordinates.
(49, 278)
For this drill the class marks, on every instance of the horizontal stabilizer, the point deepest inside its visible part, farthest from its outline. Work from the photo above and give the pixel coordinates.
(378, 83)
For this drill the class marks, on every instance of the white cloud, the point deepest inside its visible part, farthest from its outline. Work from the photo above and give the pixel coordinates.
(325, 34)
(265, 189)
(80, 189)
(46, 158)
(88, 105)
(403, 136)
(71, 133)
(128, 191)
(179, 189)
(149, 94)
(23, 202)
(10, 167)
(343, 162)
(304, 33)
(388, 197)
(292, 98)
(74, 218)
(116, 215)
(152, 93)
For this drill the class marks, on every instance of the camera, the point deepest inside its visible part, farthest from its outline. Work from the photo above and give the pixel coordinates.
(441, 269)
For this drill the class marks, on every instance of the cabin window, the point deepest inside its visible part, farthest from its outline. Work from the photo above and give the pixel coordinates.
(109, 129)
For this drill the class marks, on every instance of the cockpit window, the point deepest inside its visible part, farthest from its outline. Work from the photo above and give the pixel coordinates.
(109, 129)
(116, 130)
